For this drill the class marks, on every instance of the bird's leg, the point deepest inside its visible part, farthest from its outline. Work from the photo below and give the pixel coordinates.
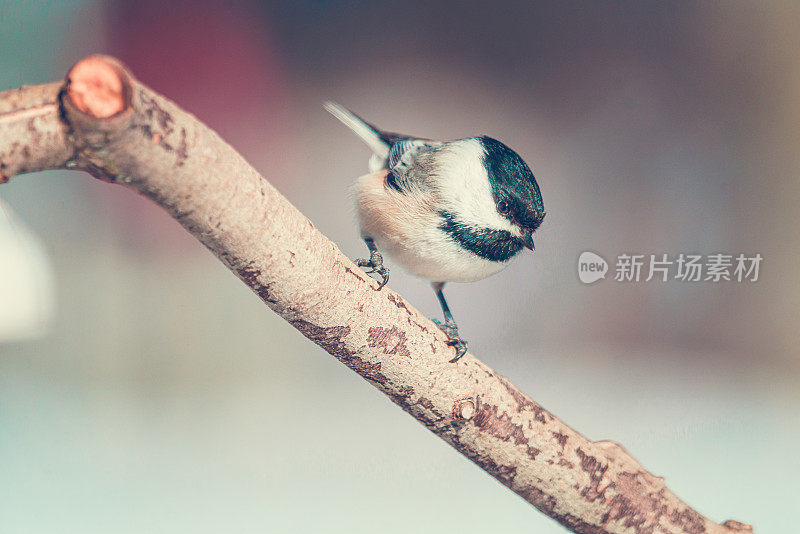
(375, 263)
(449, 326)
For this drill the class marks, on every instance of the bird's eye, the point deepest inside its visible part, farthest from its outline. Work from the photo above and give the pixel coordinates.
(503, 207)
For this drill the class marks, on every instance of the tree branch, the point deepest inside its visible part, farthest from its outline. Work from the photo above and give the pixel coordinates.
(103, 121)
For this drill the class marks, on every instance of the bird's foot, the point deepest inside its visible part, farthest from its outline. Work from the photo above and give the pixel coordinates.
(453, 338)
(375, 265)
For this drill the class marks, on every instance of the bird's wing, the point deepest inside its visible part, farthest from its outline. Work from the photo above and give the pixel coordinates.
(402, 175)
(403, 152)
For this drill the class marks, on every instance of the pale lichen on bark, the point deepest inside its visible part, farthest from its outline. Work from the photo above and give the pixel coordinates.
(104, 121)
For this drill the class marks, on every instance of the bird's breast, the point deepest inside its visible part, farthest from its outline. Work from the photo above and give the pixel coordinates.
(406, 227)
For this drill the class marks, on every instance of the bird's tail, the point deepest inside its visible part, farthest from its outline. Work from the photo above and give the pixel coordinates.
(361, 128)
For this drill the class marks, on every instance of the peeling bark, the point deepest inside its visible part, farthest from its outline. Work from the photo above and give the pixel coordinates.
(105, 122)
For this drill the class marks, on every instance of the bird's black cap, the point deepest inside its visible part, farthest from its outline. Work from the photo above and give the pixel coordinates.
(513, 182)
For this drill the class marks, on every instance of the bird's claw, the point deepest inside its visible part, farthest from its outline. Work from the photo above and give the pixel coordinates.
(375, 265)
(453, 338)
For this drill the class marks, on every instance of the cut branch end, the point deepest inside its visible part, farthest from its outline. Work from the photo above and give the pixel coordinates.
(99, 86)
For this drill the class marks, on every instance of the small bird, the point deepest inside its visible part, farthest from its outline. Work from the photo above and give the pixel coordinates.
(454, 211)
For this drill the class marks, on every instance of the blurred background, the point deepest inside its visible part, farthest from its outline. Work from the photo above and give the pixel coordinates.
(148, 390)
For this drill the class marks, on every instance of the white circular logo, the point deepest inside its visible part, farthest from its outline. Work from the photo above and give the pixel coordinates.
(591, 267)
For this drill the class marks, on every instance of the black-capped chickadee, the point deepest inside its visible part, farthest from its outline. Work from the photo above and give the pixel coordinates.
(445, 211)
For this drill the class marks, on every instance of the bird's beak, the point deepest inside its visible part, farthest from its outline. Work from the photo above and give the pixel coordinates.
(527, 240)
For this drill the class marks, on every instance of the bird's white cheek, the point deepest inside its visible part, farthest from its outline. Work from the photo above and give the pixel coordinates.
(465, 188)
